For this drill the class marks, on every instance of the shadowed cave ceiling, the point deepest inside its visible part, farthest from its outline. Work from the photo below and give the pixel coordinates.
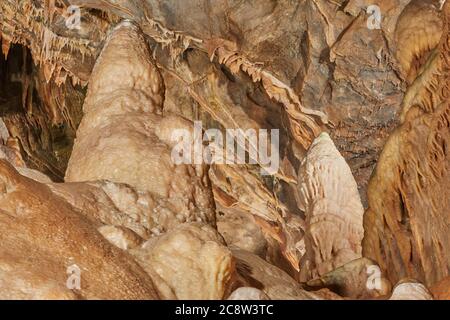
(91, 92)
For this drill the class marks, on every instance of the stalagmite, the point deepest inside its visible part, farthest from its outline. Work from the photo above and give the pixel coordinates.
(333, 209)
(124, 137)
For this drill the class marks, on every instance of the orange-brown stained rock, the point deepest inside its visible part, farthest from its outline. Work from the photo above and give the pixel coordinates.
(41, 235)
(418, 31)
(407, 223)
(441, 290)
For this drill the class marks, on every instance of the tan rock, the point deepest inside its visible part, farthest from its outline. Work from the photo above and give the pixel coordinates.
(334, 213)
(274, 282)
(357, 279)
(241, 231)
(189, 262)
(121, 237)
(124, 138)
(416, 41)
(119, 204)
(441, 290)
(407, 222)
(13, 156)
(410, 291)
(248, 293)
(42, 236)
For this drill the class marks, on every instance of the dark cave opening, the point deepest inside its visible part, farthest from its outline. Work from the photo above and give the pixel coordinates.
(28, 105)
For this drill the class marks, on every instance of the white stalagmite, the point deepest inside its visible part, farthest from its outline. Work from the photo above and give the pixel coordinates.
(124, 138)
(329, 196)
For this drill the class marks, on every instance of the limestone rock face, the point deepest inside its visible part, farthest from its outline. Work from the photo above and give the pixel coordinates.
(42, 236)
(189, 262)
(333, 209)
(123, 136)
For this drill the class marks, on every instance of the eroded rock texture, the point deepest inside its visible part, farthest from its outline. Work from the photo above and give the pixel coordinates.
(87, 117)
(408, 217)
(274, 282)
(441, 290)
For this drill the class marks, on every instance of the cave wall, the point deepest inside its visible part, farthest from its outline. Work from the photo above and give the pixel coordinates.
(304, 67)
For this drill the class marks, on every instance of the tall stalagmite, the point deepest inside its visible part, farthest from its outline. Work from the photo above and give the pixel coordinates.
(125, 137)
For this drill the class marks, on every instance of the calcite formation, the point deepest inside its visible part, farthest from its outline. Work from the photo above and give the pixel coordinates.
(417, 41)
(333, 209)
(93, 94)
(407, 221)
(189, 262)
(274, 282)
(126, 110)
(441, 290)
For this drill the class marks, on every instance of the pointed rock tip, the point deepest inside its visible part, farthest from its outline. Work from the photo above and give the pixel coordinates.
(322, 140)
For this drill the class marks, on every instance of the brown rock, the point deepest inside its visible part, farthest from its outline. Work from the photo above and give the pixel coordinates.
(357, 279)
(441, 290)
(406, 225)
(274, 282)
(240, 231)
(42, 236)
